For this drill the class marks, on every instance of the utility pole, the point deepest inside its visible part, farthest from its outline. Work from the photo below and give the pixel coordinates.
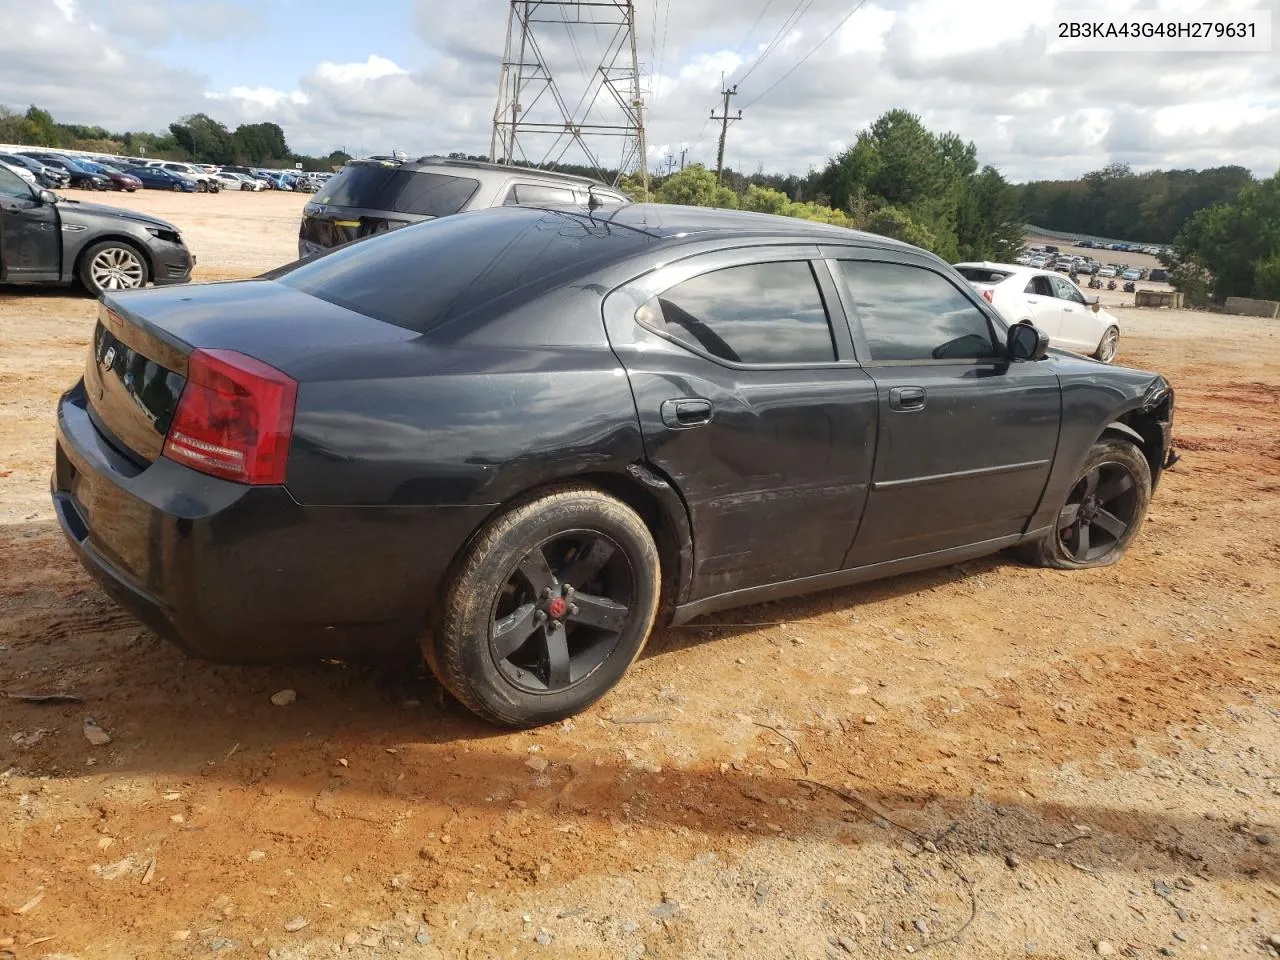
(670, 163)
(725, 119)
(684, 148)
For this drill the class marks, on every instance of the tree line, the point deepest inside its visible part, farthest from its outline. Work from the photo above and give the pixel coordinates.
(1118, 204)
(196, 138)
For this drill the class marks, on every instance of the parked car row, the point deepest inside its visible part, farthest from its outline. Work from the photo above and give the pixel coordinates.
(1150, 250)
(56, 170)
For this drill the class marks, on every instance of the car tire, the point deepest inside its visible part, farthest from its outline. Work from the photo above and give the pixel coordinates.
(176, 188)
(1108, 345)
(1102, 512)
(517, 642)
(112, 265)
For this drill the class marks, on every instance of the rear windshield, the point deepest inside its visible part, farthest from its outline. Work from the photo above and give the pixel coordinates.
(379, 187)
(983, 274)
(431, 274)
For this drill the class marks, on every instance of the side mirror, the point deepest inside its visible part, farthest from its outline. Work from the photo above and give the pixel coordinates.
(47, 196)
(1027, 342)
(1095, 304)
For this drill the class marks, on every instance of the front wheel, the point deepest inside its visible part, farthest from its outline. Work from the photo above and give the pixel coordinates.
(548, 608)
(176, 188)
(1108, 345)
(1103, 510)
(112, 265)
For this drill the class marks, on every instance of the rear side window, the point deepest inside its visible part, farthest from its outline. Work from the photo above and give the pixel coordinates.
(983, 274)
(1039, 287)
(379, 187)
(445, 271)
(910, 313)
(536, 194)
(758, 313)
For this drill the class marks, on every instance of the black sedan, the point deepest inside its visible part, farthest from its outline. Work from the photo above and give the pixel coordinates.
(157, 178)
(522, 437)
(46, 176)
(80, 174)
(46, 239)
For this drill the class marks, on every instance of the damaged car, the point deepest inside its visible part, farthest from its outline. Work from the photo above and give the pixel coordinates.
(519, 439)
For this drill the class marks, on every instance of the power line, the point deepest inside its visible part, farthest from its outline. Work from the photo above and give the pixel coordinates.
(767, 5)
(662, 51)
(792, 21)
(815, 49)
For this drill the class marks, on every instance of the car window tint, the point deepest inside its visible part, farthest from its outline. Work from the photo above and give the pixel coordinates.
(758, 313)
(910, 313)
(534, 194)
(449, 270)
(379, 187)
(12, 185)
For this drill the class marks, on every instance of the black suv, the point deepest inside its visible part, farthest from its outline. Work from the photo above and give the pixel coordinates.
(378, 194)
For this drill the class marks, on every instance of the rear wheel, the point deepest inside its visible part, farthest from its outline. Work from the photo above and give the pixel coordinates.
(112, 265)
(548, 609)
(1103, 510)
(1108, 345)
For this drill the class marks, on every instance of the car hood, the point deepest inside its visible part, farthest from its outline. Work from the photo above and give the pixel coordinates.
(88, 214)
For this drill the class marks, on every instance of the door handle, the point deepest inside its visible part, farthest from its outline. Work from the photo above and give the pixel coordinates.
(686, 412)
(906, 399)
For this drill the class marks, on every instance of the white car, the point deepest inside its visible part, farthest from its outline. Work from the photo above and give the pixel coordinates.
(22, 173)
(1050, 301)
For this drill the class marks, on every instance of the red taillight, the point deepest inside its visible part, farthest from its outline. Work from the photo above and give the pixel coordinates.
(234, 418)
(986, 295)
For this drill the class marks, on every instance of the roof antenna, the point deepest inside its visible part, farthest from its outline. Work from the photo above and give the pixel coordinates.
(593, 202)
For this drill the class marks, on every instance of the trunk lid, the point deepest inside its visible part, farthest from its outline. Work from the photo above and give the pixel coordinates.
(137, 363)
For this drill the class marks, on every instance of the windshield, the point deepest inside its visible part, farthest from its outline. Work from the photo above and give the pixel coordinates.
(387, 187)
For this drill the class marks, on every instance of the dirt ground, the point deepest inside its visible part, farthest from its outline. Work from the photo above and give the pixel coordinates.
(1027, 762)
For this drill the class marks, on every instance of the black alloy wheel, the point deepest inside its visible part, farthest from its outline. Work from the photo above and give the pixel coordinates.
(1099, 511)
(562, 611)
(1102, 512)
(547, 608)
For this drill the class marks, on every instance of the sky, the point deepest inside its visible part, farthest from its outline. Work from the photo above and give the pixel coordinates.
(422, 76)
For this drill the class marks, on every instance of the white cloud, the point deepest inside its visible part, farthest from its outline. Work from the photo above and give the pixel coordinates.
(374, 68)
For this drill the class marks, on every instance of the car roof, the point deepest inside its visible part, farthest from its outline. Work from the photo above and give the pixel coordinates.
(485, 166)
(664, 220)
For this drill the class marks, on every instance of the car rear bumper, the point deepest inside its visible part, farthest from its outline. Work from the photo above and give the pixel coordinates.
(235, 573)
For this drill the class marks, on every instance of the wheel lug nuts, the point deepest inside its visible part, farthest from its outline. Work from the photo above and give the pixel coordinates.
(573, 609)
(539, 615)
(546, 593)
(568, 591)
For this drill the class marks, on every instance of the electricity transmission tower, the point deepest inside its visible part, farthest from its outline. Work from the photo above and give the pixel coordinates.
(533, 122)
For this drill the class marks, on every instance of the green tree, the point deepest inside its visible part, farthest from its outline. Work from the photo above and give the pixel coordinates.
(1232, 249)
(38, 128)
(764, 200)
(204, 139)
(696, 186)
(260, 143)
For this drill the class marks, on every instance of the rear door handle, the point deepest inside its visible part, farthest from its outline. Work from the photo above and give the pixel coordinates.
(906, 399)
(686, 412)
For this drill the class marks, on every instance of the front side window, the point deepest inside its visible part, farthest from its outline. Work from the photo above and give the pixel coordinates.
(1067, 291)
(12, 185)
(757, 313)
(910, 313)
